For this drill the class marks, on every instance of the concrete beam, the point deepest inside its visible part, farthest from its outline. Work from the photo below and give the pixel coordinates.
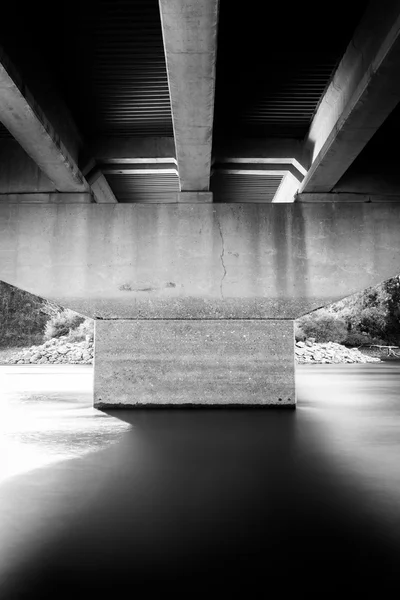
(363, 92)
(132, 168)
(108, 149)
(47, 198)
(194, 197)
(287, 190)
(99, 185)
(346, 197)
(273, 150)
(102, 192)
(22, 116)
(198, 261)
(243, 166)
(190, 42)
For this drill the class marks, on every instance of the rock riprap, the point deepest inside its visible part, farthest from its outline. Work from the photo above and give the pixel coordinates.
(329, 353)
(55, 351)
(60, 351)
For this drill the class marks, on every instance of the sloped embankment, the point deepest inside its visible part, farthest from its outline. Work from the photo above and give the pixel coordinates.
(60, 351)
(329, 353)
(55, 351)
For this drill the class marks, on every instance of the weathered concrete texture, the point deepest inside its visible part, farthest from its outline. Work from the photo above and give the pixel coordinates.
(170, 307)
(25, 120)
(364, 90)
(198, 260)
(102, 192)
(194, 197)
(346, 197)
(287, 189)
(194, 363)
(190, 42)
(48, 198)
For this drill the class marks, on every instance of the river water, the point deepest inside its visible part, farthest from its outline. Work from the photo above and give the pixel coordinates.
(261, 501)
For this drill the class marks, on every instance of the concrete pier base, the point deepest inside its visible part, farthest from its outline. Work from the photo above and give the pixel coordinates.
(189, 362)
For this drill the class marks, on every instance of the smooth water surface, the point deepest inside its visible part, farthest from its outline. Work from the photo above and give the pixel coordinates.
(261, 501)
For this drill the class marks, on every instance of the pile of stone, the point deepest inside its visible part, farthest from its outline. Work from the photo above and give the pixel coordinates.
(329, 353)
(56, 351)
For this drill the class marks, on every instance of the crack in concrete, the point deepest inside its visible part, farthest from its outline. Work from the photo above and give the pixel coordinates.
(222, 258)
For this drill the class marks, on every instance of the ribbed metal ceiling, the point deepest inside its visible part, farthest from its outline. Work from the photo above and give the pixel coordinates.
(287, 109)
(109, 66)
(105, 57)
(144, 188)
(275, 62)
(123, 73)
(228, 187)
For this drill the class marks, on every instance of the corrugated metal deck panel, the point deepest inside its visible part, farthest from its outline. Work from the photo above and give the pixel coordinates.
(144, 188)
(244, 188)
(275, 62)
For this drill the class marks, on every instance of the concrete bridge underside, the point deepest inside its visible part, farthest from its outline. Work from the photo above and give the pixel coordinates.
(194, 241)
(194, 304)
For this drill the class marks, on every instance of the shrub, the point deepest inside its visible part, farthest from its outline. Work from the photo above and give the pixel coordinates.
(358, 339)
(61, 323)
(372, 321)
(23, 317)
(50, 309)
(324, 327)
(299, 334)
(84, 331)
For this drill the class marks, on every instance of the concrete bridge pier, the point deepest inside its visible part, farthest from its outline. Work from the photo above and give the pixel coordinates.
(194, 303)
(194, 362)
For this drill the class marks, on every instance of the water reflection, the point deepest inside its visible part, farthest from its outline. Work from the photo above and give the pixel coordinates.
(227, 500)
(356, 410)
(52, 422)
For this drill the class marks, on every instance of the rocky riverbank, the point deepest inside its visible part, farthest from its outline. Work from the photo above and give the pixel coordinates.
(55, 351)
(62, 351)
(329, 353)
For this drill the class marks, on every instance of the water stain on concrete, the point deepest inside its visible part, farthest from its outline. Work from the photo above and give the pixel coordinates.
(126, 287)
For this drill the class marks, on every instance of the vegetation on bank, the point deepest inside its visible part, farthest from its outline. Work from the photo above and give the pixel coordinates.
(371, 317)
(27, 320)
(23, 317)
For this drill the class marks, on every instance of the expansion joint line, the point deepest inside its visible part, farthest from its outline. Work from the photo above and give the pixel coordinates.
(222, 258)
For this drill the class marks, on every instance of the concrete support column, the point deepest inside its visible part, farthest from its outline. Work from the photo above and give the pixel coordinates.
(194, 362)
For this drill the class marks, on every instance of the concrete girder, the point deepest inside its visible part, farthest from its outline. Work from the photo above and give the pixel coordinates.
(99, 185)
(22, 116)
(268, 150)
(287, 190)
(256, 167)
(132, 168)
(346, 197)
(190, 43)
(102, 191)
(47, 198)
(364, 90)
